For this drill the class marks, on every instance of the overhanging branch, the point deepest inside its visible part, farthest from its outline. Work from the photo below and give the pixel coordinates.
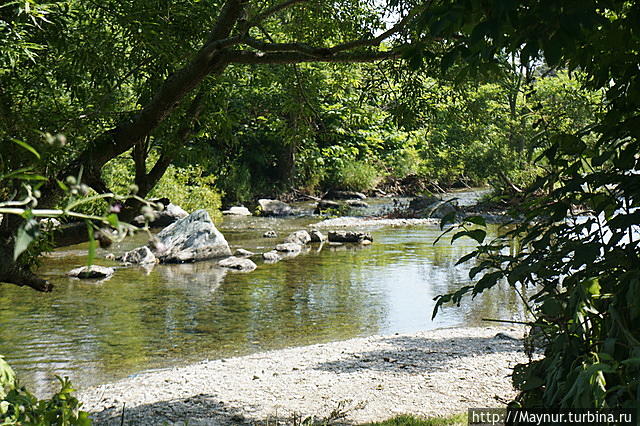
(247, 57)
(271, 11)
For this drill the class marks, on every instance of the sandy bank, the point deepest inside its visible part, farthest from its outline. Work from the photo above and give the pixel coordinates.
(429, 373)
(348, 221)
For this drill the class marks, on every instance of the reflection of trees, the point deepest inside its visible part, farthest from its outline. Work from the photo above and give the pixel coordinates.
(97, 332)
(310, 298)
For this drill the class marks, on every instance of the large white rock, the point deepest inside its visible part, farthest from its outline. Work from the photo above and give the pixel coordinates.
(192, 238)
(274, 207)
(237, 211)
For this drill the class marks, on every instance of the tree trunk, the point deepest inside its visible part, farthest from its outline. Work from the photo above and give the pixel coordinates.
(12, 272)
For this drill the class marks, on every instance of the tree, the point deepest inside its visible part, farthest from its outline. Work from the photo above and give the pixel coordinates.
(119, 75)
(580, 245)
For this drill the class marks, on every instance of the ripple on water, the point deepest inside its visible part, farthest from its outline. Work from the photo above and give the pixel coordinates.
(174, 314)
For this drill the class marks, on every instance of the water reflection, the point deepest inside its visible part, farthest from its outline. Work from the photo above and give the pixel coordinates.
(174, 314)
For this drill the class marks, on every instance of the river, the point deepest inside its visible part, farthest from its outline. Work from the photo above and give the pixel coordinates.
(175, 314)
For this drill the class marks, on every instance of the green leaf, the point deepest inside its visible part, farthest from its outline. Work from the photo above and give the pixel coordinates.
(27, 232)
(476, 234)
(447, 219)
(477, 220)
(27, 147)
(113, 220)
(467, 257)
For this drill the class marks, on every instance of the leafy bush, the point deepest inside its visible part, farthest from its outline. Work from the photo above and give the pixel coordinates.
(353, 176)
(187, 186)
(18, 406)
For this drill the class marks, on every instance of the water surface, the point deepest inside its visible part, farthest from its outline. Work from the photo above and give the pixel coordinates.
(170, 315)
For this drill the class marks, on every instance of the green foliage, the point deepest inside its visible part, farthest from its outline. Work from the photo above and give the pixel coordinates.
(580, 243)
(353, 175)
(19, 407)
(455, 420)
(190, 189)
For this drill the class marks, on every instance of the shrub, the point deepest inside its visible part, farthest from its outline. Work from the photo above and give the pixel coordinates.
(18, 406)
(353, 176)
(187, 187)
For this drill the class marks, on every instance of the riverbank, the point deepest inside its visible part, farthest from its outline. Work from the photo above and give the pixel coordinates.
(430, 373)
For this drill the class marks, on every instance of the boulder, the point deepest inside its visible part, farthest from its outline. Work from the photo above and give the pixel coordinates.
(270, 234)
(344, 195)
(237, 263)
(317, 237)
(274, 207)
(349, 237)
(357, 203)
(423, 202)
(298, 237)
(141, 255)
(442, 210)
(271, 256)
(90, 272)
(327, 204)
(237, 211)
(192, 238)
(244, 253)
(289, 247)
(166, 217)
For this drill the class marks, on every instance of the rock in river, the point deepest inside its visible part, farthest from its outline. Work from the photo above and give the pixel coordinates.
(166, 217)
(244, 253)
(274, 207)
(357, 203)
(344, 195)
(349, 237)
(298, 237)
(93, 271)
(327, 204)
(238, 263)
(271, 256)
(141, 255)
(289, 247)
(237, 211)
(317, 237)
(423, 202)
(192, 238)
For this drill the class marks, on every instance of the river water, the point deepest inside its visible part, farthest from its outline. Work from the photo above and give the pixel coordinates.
(174, 314)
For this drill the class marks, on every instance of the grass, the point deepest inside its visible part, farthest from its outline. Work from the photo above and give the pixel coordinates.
(457, 419)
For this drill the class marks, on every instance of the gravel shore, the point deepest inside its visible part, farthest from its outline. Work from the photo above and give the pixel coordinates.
(348, 221)
(431, 373)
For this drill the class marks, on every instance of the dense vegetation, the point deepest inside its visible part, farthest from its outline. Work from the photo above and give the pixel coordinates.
(238, 100)
(581, 230)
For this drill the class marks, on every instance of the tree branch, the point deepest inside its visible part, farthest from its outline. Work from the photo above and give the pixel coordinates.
(380, 38)
(247, 57)
(271, 11)
(314, 51)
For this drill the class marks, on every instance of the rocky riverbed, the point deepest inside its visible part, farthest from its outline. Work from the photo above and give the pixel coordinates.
(431, 373)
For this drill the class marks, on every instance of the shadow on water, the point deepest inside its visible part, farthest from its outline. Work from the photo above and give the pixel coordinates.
(175, 314)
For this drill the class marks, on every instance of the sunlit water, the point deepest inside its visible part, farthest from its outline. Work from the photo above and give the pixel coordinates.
(170, 315)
